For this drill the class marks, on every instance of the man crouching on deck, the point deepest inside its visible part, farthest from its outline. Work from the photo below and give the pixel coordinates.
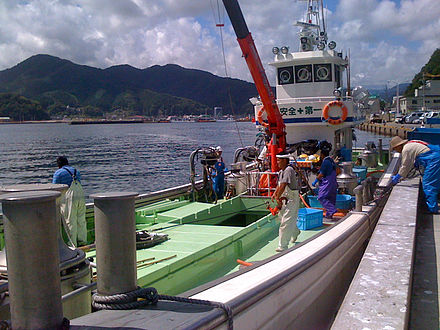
(287, 191)
(419, 154)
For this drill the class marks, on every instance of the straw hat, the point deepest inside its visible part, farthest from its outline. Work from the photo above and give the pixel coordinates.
(396, 141)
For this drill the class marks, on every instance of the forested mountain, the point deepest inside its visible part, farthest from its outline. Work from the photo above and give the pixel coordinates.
(159, 90)
(432, 67)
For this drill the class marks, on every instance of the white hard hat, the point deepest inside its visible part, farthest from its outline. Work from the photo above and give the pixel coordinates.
(282, 155)
(219, 149)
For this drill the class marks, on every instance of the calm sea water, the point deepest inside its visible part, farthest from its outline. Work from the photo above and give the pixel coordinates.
(134, 157)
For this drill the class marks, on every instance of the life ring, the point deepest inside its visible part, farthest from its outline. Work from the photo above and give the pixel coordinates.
(335, 121)
(260, 118)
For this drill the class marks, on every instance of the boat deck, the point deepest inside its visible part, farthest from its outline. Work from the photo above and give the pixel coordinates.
(205, 241)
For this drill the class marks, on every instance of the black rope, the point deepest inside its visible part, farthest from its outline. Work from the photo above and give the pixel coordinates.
(149, 296)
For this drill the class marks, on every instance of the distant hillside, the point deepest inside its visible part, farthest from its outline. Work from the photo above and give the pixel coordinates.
(387, 94)
(159, 90)
(432, 67)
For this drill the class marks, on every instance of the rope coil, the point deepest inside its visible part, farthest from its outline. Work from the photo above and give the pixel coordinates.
(149, 296)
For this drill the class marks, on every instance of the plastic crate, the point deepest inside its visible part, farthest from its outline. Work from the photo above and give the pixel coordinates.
(360, 172)
(309, 218)
(343, 202)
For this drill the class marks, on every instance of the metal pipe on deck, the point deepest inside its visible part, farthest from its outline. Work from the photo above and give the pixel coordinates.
(115, 233)
(33, 259)
(381, 160)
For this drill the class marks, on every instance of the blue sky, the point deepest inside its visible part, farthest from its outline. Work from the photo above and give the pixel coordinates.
(388, 40)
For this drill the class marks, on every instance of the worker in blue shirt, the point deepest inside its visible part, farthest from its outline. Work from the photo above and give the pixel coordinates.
(64, 174)
(218, 175)
(73, 206)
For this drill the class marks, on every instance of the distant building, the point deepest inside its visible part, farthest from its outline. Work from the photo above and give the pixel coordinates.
(373, 103)
(425, 98)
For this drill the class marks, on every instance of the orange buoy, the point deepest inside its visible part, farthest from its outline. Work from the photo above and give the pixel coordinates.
(339, 120)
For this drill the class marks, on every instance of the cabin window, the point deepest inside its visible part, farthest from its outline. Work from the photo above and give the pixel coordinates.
(322, 72)
(436, 101)
(285, 75)
(303, 73)
(337, 76)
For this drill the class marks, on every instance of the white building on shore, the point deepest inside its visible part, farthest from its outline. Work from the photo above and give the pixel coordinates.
(425, 98)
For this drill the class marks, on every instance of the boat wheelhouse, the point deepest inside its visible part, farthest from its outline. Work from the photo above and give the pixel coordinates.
(310, 87)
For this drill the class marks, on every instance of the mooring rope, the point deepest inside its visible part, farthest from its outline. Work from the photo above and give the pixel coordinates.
(150, 296)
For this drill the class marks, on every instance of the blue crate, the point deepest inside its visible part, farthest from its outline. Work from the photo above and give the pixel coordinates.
(309, 218)
(343, 202)
(360, 172)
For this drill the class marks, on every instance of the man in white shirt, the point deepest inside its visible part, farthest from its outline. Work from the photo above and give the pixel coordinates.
(416, 153)
(287, 192)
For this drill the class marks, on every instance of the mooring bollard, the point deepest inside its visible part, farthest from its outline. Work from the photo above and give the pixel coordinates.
(358, 192)
(65, 252)
(115, 236)
(33, 259)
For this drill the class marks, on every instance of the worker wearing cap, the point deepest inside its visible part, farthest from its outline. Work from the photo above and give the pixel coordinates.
(420, 154)
(287, 198)
(218, 176)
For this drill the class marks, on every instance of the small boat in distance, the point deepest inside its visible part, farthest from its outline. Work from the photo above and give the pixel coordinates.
(205, 119)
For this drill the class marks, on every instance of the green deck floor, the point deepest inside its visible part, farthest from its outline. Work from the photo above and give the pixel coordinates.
(198, 253)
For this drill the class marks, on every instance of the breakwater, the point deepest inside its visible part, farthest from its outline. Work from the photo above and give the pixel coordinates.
(386, 129)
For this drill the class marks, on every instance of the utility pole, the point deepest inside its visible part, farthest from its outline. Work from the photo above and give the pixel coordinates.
(423, 88)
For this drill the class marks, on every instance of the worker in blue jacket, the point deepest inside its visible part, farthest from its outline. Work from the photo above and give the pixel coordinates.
(423, 156)
(218, 175)
(328, 185)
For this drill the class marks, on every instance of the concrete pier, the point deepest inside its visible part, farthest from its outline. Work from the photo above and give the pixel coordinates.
(388, 129)
(397, 283)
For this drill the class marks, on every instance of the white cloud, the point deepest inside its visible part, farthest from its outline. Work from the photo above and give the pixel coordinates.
(388, 40)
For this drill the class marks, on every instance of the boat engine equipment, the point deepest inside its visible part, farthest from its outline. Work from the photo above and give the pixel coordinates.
(369, 155)
(236, 181)
(347, 180)
(248, 154)
(207, 157)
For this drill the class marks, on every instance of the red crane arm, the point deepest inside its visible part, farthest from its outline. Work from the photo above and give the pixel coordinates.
(250, 53)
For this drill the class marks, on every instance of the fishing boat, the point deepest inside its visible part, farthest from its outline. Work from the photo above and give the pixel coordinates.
(193, 244)
(205, 119)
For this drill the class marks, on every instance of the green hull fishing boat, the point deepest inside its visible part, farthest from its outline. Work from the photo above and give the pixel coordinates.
(222, 251)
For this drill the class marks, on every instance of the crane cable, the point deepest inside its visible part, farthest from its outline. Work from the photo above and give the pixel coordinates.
(219, 22)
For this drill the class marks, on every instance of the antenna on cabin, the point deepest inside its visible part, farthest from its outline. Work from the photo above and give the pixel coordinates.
(313, 32)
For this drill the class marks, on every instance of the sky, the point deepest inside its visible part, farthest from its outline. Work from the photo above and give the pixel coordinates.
(389, 41)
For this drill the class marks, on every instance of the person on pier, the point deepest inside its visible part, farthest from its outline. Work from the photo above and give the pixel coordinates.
(288, 192)
(73, 206)
(421, 155)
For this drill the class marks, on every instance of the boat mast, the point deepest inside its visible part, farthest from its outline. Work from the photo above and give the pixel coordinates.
(313, 32)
